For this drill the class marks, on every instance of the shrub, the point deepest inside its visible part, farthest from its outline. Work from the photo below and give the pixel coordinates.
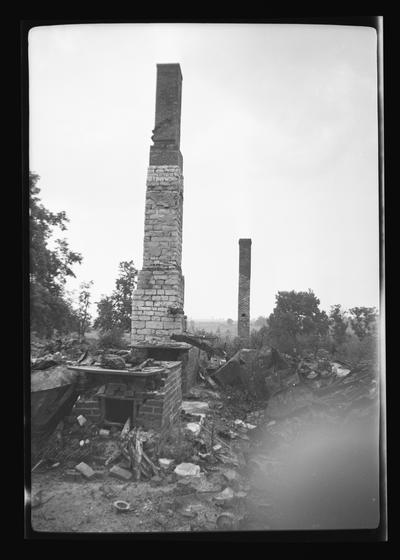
(355, 351)
(114, 338)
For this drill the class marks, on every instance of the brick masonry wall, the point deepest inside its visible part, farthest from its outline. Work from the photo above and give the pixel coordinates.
(158, 412)
(89, 407)
(161, 412)
(167, 129)
(244, 290)
(168, 106)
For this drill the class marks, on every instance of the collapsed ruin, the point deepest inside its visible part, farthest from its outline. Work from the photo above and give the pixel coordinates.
(164, 360)
(150, 393)
(158, 300)
(143, 393)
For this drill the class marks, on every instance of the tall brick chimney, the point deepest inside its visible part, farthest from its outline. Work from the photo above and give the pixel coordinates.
(244, 291)
(158, 300)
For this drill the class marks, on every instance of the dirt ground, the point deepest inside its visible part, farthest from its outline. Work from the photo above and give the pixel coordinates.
(299, 476)
(314, 469)
(87, 507)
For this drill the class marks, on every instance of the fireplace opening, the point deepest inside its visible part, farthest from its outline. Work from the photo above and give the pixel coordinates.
(117, 411)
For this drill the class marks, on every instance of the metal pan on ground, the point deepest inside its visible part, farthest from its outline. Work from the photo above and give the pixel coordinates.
(121, 506)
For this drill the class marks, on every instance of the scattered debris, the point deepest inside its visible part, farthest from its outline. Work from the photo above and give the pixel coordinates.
(199, 342)
(202, 485)
(194, 428)
(132, 447)
(165, 463)
(72, 475)
(187, 469)
(231, 475)
(225, 496)
(219, 441)
(112, 361)
(36, 499)
(227, 521)
(37, 465)
(340, 370)
(121, 506)
(119, 472)
(245, 425)
(87, 471)
(194, 407)
(48, 361)
(81, 419)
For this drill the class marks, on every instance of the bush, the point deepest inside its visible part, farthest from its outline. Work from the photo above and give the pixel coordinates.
(233, 346)
(114, 338)
(355, 351)
(259, 338)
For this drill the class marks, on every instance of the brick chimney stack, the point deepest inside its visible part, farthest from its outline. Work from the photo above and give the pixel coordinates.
(244, 291)
(157, 310)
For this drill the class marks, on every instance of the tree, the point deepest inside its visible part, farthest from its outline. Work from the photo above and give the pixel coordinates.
(296, 323)
(50, 308)
(338, 324)
(229, 322)
(259, 337)
(260, 322)
(363, 321)
(105, 319)
(83, 314)
(115, 311)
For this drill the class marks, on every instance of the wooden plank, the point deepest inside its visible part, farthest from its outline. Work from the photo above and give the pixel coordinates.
(126, 372)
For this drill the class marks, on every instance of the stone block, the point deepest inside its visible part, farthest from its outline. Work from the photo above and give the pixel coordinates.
(120, 473)
(138, 324)
(87, 471)
(187, 469)
(154, 325)
(72, 475)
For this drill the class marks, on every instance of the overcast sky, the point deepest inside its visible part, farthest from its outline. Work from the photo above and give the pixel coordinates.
(279, 140)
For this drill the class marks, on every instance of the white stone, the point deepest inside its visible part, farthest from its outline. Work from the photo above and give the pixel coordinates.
(194, 407)
(187, 469)
(224, 496)
(231, 475)
(193, 427)
(165, 463)
(81, 419)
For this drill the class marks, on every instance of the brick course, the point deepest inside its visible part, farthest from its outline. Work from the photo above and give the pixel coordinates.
(244, 290)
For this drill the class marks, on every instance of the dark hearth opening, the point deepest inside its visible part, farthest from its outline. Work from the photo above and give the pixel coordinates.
(117, 411)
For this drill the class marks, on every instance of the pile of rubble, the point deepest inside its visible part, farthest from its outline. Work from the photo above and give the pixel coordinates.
(224, 434)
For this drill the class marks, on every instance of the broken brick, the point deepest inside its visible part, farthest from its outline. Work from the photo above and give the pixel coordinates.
(87, 471)
(119, 472)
